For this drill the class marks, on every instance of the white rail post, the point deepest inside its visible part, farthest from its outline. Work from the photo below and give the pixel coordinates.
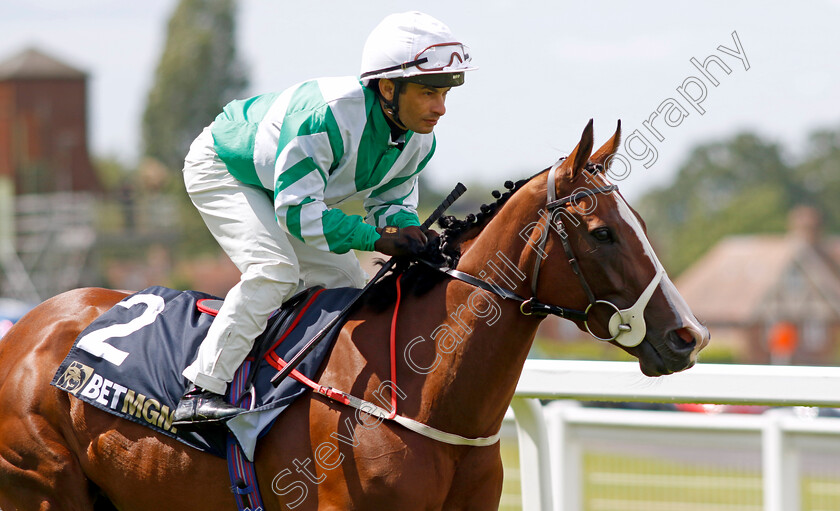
(780, 465)
(534, 455)
(566, 456)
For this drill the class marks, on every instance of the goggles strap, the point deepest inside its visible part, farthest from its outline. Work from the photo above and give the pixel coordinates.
(404, 65)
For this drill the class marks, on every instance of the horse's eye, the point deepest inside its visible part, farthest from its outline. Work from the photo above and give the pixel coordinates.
(602, 235)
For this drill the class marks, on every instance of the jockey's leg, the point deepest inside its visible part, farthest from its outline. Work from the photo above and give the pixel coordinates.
(327, 269)
(242, 220)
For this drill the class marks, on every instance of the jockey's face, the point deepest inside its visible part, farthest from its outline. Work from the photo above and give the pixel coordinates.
(420, 106)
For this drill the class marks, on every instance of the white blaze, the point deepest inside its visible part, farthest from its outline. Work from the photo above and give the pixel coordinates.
(673, 297)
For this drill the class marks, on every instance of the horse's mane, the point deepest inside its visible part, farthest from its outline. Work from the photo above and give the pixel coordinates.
(418, 277)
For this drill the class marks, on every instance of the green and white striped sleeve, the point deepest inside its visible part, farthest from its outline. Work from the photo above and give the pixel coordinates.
(395, 202)
(310, 144)
(394, 206)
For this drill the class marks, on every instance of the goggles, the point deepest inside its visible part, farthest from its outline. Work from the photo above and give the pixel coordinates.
(437, 57)
(442, 56)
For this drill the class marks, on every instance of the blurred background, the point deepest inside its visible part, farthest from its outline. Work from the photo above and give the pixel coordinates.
(731, 121)
(730, 112)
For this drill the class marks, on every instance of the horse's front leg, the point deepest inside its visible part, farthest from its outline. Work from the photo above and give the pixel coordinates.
(477, 485)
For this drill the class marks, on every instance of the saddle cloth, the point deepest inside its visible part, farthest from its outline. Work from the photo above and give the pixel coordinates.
(128, 362)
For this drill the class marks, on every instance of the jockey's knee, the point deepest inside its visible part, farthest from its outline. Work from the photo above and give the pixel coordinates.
(332, 277)
(270, 284)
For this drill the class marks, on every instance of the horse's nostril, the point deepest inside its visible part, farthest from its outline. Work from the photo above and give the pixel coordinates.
(685, 335)
(681, 340)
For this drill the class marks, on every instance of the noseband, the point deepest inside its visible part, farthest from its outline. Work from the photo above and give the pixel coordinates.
(626, 326)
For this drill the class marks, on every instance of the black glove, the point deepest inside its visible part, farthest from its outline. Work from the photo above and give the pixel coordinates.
(394, 241)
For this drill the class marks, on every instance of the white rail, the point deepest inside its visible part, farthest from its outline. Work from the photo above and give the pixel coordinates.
(549, 478)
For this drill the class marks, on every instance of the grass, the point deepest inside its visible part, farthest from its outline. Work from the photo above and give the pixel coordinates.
(511, 489)
(627, 482)
(621, 482)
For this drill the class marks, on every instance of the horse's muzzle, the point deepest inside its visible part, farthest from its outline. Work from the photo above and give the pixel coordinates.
(674, 351)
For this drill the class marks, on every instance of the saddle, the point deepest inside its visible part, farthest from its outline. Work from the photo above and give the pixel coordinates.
(128, 362)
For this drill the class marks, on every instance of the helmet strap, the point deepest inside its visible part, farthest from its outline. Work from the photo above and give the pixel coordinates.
(392, 106)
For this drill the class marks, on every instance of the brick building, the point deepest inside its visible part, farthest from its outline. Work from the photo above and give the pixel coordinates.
(43, 125)
(772, 299)
(48, 186)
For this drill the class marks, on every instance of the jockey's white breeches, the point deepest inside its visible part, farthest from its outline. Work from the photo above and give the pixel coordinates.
(273, 263)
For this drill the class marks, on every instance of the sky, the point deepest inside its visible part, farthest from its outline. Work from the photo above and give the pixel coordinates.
(546, 68)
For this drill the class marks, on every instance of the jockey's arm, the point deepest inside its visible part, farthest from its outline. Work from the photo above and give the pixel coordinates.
(301, 210)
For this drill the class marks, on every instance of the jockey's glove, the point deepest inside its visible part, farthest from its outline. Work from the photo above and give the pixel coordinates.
(394, 241)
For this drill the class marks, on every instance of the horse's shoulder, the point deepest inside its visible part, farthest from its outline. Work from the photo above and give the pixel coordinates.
(75, 308)
(85, 297)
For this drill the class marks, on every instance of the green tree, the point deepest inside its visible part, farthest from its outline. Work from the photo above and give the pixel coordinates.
(198, 73)
(112, 172)
(819, 173)
(738, 186)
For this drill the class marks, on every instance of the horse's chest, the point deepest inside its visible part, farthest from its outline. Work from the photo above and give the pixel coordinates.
(391, 465)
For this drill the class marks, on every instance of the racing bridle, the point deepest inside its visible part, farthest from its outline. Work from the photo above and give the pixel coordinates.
(626, 326)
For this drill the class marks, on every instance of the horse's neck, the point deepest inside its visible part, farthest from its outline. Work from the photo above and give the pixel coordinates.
(478, 378)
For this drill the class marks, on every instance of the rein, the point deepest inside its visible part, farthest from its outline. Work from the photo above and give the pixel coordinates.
(626, 326)
(622, 322)
(532, 306)
(528, 306)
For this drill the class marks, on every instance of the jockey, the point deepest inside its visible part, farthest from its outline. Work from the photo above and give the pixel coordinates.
(268, 173)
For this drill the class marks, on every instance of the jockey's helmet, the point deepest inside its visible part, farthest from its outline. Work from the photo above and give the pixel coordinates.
(415, 47)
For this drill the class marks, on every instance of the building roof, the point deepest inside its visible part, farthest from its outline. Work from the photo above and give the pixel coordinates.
(33, 63)
(727, 283)
(742, 278)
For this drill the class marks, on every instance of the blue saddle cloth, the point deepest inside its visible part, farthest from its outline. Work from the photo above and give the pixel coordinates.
(128, 362)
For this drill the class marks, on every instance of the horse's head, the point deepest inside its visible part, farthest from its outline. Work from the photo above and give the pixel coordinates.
(595, 238)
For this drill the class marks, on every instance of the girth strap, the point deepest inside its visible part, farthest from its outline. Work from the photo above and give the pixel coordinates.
(242, 472)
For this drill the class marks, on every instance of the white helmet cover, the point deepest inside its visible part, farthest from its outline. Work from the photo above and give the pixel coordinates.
(413, 44)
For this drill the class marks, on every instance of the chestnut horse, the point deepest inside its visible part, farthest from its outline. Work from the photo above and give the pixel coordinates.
(460, 350)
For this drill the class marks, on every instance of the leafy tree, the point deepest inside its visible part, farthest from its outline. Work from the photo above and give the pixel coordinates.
(819, 174)
(198, 73)
(741, 186)
(112, 173)
(737, 186)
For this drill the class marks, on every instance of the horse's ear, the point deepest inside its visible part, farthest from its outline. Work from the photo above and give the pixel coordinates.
(610, 148)
(578, 158)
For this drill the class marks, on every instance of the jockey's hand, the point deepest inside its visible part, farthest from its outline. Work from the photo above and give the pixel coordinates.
(394, 241)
